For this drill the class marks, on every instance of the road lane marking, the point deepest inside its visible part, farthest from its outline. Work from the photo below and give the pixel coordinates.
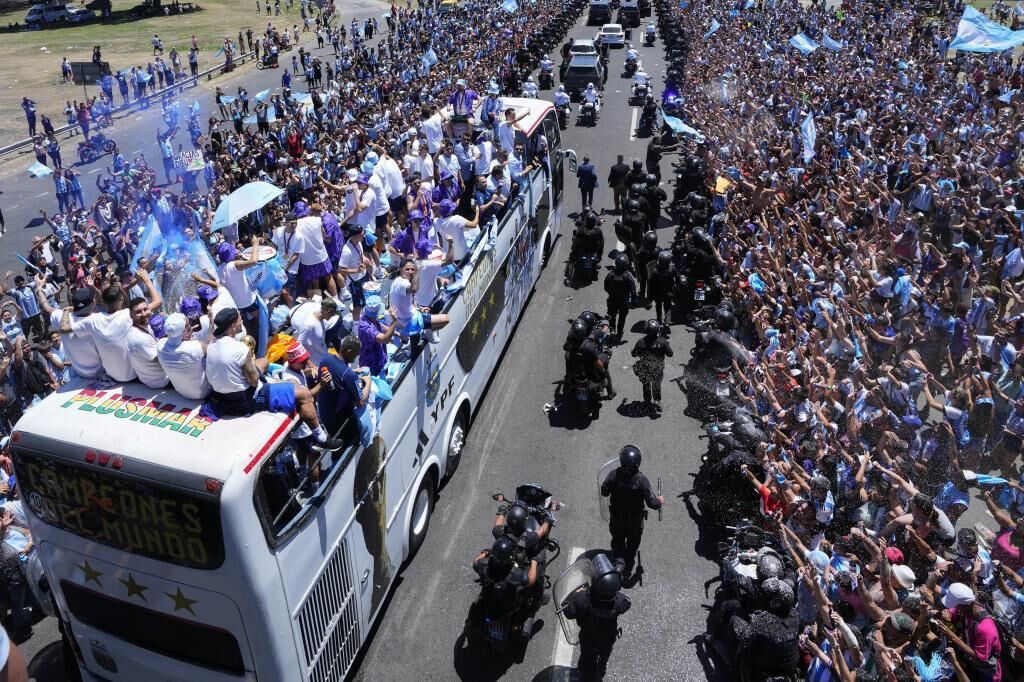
(95, 170)
(41, 195)
(12, 207)
(632, 125)
(564, 651)
(137, 151)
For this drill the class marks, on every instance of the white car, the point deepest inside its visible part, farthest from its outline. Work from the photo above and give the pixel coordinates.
(611, 35)
(582, 46)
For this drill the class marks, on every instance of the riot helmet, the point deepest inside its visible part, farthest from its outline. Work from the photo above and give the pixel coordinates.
(629, 457)
(606, 581)
(621, 263)
(650, 239)
(652, 327)
(769, 566)
(633, 205)
(664, 260)
(589, 319)
(637, 164)
(578, 331)
(503, 549)
(651, 180)
(515, 518)
(724, 319)
(635, 189)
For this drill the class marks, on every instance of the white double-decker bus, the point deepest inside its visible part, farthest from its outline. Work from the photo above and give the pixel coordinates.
(179, 549)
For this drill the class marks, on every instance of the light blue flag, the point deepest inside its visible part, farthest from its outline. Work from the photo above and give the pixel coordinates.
(978, 33)
(144, 78)
(195, 107)
(733, 13)
(227, 99)
(831, 44)
(712, 28)
(749, 5)
(681, 128)
(985, 479)
(683, 4)
(429, 58)
(809, 135)
(510, 6)
(801, 42)
(38, 170)
(262, 95)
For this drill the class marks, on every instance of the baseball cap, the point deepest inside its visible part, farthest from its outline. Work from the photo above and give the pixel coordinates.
(958, 594)
(372, 158)
(301, 209)
(174, 327)
(818, 559)
(352, 174)
(82, 299)
(894, 555)
(190, 307)
(206, 293)
(373, 306)
(363, 179)
(156, 324)
(904, 576)
(224, 319)
(351, 229)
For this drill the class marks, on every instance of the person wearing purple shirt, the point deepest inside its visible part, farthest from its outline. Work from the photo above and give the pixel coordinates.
(333, 241)
(374, 336)
(448, 189)
(463, 102)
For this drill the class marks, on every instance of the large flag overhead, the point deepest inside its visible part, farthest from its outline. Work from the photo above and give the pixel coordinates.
(801, 42)
(978, 33)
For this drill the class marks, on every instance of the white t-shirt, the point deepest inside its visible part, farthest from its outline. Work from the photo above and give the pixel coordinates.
(312, 332)
(507, 136)
(424, 165)
(287, 246)
(367, 216)
(81, 350)
(352, 257)
(392, 175)
(109, 331)
(402, 300)
(222, 301)
(236, 281)
(454, 230)
(142, 352)
(224, 360)
(185, 365)
(428, 270)
(484, 156)
(432, 129)
(380, 196)
(310, 230)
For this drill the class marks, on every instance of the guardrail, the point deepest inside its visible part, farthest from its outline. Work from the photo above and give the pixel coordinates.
(146, 99)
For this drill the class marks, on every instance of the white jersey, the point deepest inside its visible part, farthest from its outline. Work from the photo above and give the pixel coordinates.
(562, 99)
(641, 78)
(591, 95)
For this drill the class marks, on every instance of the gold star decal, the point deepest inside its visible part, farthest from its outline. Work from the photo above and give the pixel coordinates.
(483, 313)
(90, 573)
(491, 301)
(476, 330)
(181, 601)
(134, 589)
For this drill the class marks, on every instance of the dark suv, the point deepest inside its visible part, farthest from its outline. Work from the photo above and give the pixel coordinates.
(600, 13)
(583, 69)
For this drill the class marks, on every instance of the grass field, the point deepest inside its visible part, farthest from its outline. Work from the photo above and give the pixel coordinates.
(32, 71)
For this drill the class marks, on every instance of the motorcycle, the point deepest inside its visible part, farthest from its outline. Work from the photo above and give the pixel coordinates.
(563, 116)
(267, 61)
(546, 79)
(588, 113)
(640, 91)
(502, 624)
(631, 66)
(646, 123)
(97, 146)
(649, 39)
(583, 266)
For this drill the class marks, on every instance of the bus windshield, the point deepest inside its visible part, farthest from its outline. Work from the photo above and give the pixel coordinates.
(124, 512)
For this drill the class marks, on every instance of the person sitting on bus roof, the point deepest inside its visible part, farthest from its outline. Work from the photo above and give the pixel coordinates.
(234, 376)
(374, 336)
(458, 231)
(109, 330)
(318, 327)
(412, 319)
(343, 391)
(142, 346)
(183, 356)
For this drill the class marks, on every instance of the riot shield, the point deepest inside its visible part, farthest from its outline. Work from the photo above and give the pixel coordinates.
(577, 576)
(602, 474)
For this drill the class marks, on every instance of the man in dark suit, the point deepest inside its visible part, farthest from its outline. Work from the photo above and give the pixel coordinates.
(617, 182)
(587, 181)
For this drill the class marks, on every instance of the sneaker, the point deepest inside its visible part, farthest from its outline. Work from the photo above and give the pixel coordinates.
(329, 445)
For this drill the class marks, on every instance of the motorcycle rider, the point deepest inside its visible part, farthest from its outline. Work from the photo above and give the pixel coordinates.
(632, 54)
(547, 66)
(654, 196)
(620, 285)
(597, 609)
(511, 522)
(662, 278)
(768, 642)
(650, 352)
(587, 240)
(562, 98)
(645, 255)
(502, 579)
(592, 96)
(649, 34)
(648, 114)
(628, 491)
(640, 77)
(530, 88)
(578, 331)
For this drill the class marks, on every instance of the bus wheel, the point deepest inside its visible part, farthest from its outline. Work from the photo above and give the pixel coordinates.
(423, 506)
(456, 444)
(546, 254)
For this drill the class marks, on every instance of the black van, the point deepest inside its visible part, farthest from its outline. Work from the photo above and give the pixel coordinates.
(600, 13)
(583, 69)
(629, 16)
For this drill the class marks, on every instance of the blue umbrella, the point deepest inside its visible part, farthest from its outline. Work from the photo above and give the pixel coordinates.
(243, 201)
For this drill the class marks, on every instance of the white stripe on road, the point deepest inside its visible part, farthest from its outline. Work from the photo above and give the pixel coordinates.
(137, 151)
(563, 650)
(12, 207)
(42, 195)
(95, 170)
(632, 125)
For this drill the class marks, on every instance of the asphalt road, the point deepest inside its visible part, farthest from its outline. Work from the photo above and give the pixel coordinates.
(513, 441)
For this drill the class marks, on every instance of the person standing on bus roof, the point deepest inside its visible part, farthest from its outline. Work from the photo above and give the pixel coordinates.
(342, 391)
(109, 330)
(142, 346)
(183, 357)
(234, 376)
(81, 350)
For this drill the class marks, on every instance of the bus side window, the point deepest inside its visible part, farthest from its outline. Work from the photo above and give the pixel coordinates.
(551, 131)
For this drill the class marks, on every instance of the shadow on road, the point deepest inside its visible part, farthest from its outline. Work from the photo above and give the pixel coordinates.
(48, 664)
(555, 673)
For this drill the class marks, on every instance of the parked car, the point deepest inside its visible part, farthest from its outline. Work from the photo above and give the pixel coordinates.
(600, 12)
(77, 15)
(611, 35)
(46, 14)
(583, 69)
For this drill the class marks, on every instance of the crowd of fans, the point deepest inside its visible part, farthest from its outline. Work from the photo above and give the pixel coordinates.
(879, 289)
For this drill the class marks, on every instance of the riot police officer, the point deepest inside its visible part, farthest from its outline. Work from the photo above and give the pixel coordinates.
(620, 285)
(629, 491)
(502, 579)
(636, 174)
(511, 522)
(595, 357)
(655, 150)
(587, 240)
(645, 255)
(596, 609)
(650, 353)
(654, 195)
(578, 331)
(769, 641)
(662, 278)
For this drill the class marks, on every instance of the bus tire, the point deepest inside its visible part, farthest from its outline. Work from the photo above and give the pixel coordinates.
(423, 507)
(456, 443)
(546, 253)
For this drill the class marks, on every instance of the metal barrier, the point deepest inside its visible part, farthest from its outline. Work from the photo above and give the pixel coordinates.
(146, 99)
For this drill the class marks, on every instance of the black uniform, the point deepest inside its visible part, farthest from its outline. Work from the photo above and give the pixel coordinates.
(769, 645)
(598, 619)
(621, 289)
(650, 353)
(501, 583)
(661, 284)
(629, 492)
(654, 151)
(654, 196)
(591, 352)
(644, 258)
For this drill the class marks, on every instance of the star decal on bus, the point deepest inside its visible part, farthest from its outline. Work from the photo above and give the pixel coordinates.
(134, 589)
(90, 573)
(181, 601)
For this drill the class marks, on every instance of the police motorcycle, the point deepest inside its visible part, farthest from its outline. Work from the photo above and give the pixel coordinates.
(639, 92)
(649, 35)
(588, 113)
(581, 388)
(546, 77)
(723, 491)
(648, 117)
(502, 617)
(585, 252)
